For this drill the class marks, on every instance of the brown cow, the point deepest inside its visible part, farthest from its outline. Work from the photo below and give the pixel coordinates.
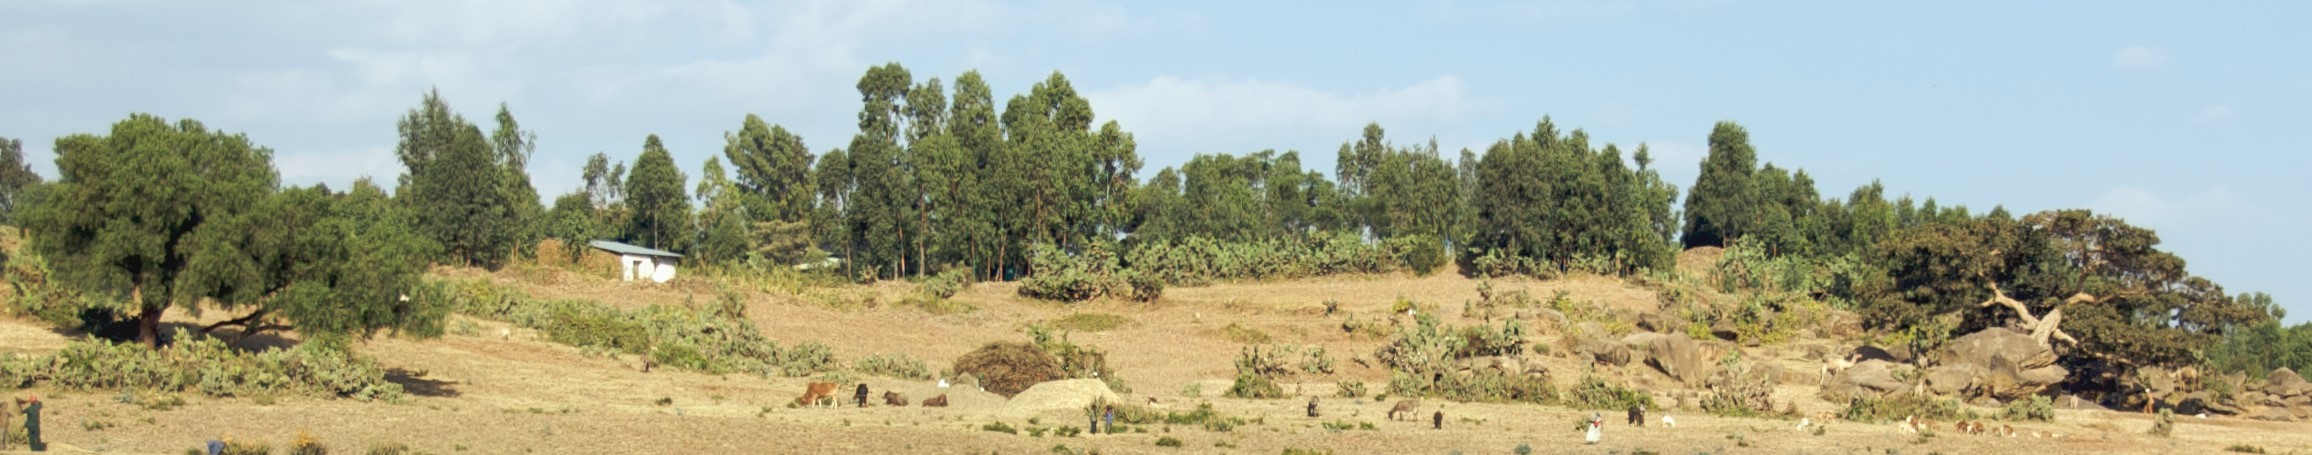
(1406, 408)
(936, 402)
(818, 391)
(891, 398)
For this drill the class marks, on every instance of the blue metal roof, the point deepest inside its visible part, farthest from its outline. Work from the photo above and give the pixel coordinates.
(622, 248)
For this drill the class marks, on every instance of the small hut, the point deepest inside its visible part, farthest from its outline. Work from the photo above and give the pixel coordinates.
(640, 263)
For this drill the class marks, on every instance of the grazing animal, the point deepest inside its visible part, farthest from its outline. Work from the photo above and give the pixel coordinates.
(1406, 408)
(936, 402)
(2007, 430)
(1152, 401)
(1437, 421)
(1805, 422)
(1597, 425)
(860, 396)
(817, 391)
(891, 398)
(1637, 416)
(1312, 406)
(1668, 421)
(1831, 368)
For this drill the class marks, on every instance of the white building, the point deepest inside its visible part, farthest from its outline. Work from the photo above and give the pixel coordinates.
(640, 263)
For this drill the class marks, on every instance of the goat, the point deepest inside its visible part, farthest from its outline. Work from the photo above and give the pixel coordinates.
(936, 402)
(891, 398)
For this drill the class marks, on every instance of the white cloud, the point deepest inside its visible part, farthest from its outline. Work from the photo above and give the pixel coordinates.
(2147, 208)
(1244, 115)
(2213, 114)
(2141, 58)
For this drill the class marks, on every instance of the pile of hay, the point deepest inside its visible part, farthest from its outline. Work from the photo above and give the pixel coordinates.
(1063, 395)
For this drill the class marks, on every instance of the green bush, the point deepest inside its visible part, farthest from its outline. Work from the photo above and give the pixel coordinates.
(1352, 389)
(1257, 371)
(1090, 274)
(1595, 393)
(1881, 410)
(999, 427)
(714, 338)
(893, 365)
(1167, 441)
(1196, 261)
(206, 365)
(2038, 407)
(1423, 360)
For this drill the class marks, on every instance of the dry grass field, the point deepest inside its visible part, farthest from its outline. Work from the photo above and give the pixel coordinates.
(504, 390)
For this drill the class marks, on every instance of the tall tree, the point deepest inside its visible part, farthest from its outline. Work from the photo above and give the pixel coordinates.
(1719, 207)
(722, 221)
(322, 263)
(514, 147)
(15, 174)
(774, 170)
(139, 211)
(661, 209)
(457, 184)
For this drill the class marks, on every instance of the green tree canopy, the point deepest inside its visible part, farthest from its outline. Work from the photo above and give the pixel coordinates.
(138, 214)
(655, 193)
(458, 185)
(15, 175)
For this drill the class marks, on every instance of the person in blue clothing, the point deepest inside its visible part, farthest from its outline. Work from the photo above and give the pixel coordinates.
(1109, 420)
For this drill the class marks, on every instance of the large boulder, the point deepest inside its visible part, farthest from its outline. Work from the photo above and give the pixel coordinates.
(1607, 352)
(1952, 379)
(1681, 358)
(2283, 381)
(2002, 363)
(1980, 348)
(1874, 378)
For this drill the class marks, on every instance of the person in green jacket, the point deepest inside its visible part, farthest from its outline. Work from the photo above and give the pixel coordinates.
(32, 426)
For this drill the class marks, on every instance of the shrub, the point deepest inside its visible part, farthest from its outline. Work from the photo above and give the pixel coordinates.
(714, 338)
(894, 366)
(1424, 361)
(1595, 393)
(1316, 361)
(1006, 368)
(2165, 424)
(1167, 441)
(247, 448)
(2038, 407)
(1734, 393)
(999, 427)
(1880, 410)
(1076, 277)
(1257, 372)
(1196, 261)
(2243, 448)
(304, 444)
(1352, 389)
(207, 365)
(390, 449)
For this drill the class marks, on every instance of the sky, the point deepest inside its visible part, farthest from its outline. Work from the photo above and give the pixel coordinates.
(2188, 119)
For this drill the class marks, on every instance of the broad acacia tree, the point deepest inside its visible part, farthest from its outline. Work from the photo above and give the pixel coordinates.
(138, 213)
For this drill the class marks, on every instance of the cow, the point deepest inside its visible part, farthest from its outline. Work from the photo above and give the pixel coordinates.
(818, 391)
(1406, 408)
(891, 398)
(860, 396)
(936, 402)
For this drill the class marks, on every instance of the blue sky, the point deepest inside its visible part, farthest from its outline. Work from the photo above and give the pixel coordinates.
(2190, 120)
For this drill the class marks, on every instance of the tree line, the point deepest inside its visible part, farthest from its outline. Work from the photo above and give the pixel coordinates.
(159, 214)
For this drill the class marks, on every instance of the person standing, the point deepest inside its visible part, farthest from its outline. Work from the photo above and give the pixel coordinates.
(1109, 419)
(32, 426)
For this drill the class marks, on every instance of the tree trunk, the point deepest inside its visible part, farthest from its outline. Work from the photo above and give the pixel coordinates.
(148, 320)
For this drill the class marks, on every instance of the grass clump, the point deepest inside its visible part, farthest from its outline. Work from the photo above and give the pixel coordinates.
(1302, 451)
(999, 427)
(712, 337)
(1168, 441)
(2243, 448)
(1089, 322)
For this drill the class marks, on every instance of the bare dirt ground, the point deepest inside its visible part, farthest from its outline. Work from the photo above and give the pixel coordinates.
(504, 390)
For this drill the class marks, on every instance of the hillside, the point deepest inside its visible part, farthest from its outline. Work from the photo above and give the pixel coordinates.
(488, 387)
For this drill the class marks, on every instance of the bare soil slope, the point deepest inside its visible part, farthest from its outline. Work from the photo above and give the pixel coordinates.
(504, 390)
